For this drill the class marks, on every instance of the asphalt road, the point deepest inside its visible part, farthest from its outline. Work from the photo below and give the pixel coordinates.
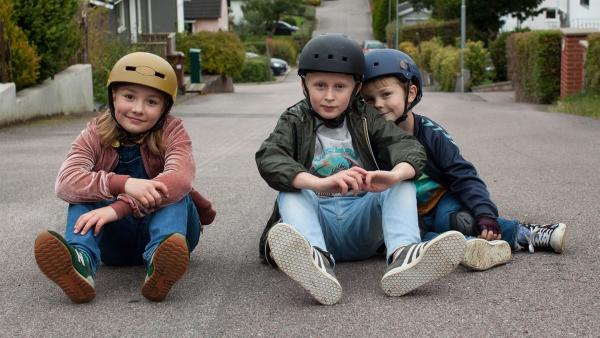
(539, 166)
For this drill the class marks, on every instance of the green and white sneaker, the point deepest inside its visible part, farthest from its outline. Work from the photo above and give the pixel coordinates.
(417, 264)
(304, 264)
(482, 255)
(64, 265)
(168, 264)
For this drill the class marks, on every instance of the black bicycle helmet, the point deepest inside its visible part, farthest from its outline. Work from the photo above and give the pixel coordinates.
(392, 62)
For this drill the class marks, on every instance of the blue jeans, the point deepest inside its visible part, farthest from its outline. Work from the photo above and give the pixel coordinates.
(132, 241)
(354, 227)
(438, 220)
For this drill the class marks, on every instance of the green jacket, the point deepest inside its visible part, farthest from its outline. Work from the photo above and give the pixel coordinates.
(290, 148)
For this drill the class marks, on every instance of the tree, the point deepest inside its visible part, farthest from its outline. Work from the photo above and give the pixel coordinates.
(52, 27)
(264, 13)
(482, 14)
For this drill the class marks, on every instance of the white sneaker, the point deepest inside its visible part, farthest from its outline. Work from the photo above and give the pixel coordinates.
(418, 264)
(481, 254)
(547, 237)
(303, 263)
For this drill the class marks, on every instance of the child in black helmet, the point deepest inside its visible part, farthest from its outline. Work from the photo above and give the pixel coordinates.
(128, 181)
(343, 176)
(450, 194)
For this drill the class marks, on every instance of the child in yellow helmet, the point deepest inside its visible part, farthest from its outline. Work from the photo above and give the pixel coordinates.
(128, 181)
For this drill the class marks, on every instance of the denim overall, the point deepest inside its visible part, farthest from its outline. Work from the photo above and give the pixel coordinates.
(130, 240)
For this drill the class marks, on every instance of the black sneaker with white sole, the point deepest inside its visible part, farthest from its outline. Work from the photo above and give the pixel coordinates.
(547, 237)
(304, 264)
(417, 264)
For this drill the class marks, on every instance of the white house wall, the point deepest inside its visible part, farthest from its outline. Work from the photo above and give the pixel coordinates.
(580, 16)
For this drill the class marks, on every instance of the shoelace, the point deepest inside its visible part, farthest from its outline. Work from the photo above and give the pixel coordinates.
(539, 237)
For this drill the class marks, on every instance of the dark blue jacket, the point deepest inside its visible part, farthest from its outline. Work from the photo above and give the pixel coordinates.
(446, 166)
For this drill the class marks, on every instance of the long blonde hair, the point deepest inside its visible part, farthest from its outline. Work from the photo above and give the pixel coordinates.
(109, 134)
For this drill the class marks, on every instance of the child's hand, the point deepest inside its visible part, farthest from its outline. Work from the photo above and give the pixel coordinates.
(489, 228)
(378, 180)
(207, 214)
(96, 218)
(343, 181)
(149, 193)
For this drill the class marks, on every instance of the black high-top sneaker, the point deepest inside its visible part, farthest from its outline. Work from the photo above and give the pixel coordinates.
(546, 237)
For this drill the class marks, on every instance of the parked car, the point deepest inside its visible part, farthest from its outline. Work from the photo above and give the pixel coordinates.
(278, 66)
(283, 28)
(372, 44)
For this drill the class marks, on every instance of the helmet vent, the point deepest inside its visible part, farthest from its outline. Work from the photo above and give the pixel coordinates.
(316, 56)
(161, 75)
(130, 68)
(375, 64)
(344, 58)
(330, 56)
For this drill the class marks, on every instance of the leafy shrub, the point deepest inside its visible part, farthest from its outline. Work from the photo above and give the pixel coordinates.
(52, 27)
(498, 55)
(24, 64)
(427, 50)
(445, 66)
(592, 64)
(313, 2)
(283, 48)
(534, 65)
(476, 60)
(222, 52)
(255, 70)
(408, 48)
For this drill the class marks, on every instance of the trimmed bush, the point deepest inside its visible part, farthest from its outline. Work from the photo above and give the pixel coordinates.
(51, 25)
(476, 60)
(255, 70)
(427, 50)
(222, 52)
(534, 65)
(24, 65)
(592, 64)
(408, 48)
(498, 55)
(445, 66)
(283, 48)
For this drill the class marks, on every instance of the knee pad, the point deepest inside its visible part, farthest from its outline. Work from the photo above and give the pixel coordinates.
(463, 222)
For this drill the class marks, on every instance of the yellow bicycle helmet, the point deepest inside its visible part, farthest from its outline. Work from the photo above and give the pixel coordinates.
(144, 69)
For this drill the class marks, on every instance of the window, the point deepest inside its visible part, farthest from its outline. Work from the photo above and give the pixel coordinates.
(585, 3)
(550, 13)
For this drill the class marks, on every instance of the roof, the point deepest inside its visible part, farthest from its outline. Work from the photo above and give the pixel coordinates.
(202, 9)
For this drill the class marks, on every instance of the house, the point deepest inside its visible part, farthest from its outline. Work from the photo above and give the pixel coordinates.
(555, 14)
(206, 15)
(407, 15)
(131, 18)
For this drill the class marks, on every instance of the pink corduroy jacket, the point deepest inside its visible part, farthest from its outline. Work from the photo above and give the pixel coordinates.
(86, 174)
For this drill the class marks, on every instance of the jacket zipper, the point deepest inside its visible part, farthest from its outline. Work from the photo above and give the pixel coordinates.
(364, 120)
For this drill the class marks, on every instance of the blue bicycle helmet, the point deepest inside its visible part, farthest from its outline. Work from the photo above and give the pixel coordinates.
(392, 62)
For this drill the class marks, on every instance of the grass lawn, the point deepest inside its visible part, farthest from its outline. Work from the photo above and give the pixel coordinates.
(587, 104)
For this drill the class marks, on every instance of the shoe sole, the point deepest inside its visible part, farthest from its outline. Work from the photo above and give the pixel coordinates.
(562, 229)
(54, 260)
(170, 263)
(441, 256)
(482, 255)
(293, 255)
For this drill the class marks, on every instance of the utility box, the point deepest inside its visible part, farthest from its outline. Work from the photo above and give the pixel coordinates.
(195, 65)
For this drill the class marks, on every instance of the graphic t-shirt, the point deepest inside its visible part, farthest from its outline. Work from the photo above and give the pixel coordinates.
(429, 192)
(333, 151)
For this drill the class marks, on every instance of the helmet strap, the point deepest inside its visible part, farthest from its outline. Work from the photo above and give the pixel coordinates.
(404, 115)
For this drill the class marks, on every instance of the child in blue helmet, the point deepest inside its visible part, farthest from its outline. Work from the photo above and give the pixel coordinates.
(344, 177)
(450, 194)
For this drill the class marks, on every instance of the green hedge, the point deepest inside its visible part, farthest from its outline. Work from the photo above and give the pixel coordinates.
(447, 31)
(445, 64)
(534, 65)
(52, 26)
(222, 52)
(476, 59)
(313, 2)
(283, 48)
(24, 65)
(379, 19)
(592, 64)
(498, 55)
(426, 50)
(255, 70)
